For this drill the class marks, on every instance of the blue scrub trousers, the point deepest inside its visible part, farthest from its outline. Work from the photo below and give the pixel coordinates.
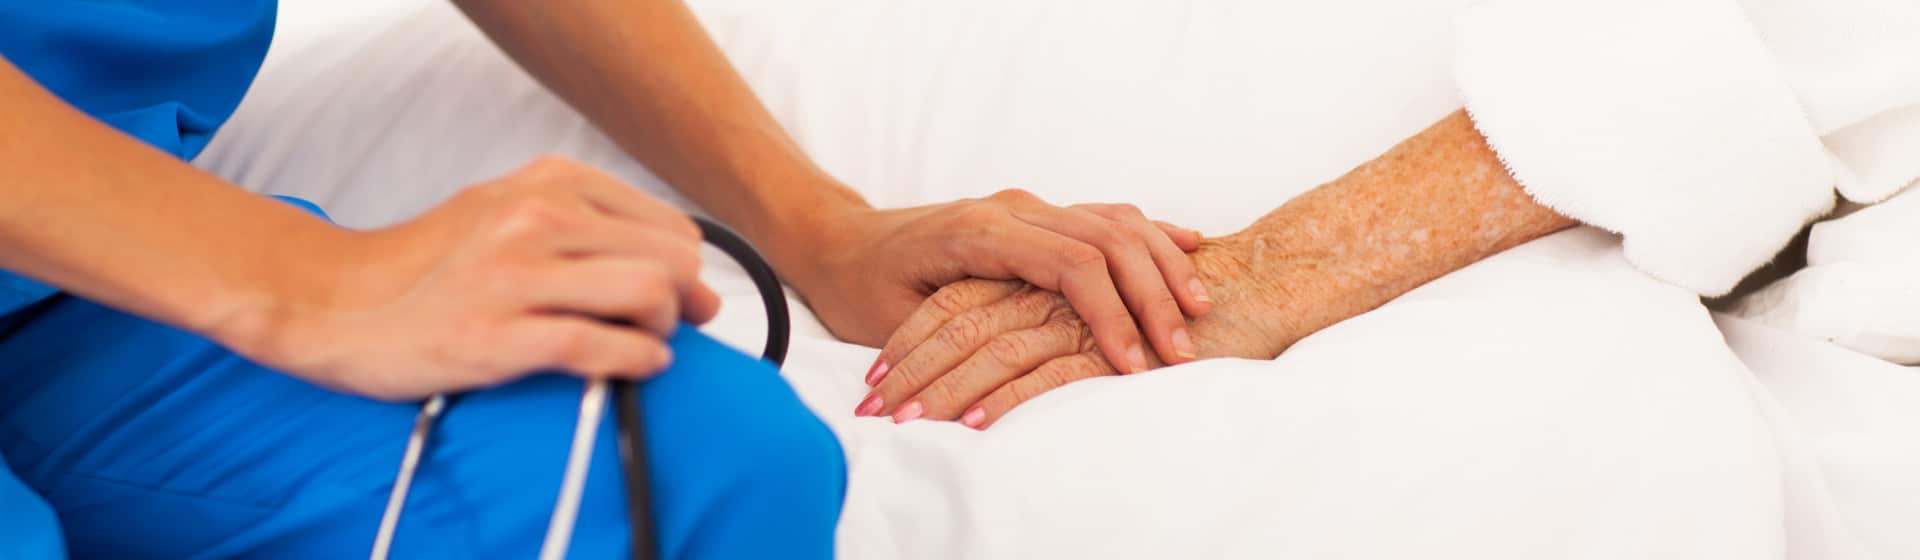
(151, 442)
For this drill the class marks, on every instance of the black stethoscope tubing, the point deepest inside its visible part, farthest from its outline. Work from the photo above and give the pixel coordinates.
(626, 393)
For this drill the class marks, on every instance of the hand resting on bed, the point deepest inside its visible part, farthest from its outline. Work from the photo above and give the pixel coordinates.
(1432, 204)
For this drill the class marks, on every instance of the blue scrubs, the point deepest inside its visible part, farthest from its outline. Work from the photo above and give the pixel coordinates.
(150, 442)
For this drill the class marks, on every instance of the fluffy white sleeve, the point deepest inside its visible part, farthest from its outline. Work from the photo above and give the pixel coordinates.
(1706, 132)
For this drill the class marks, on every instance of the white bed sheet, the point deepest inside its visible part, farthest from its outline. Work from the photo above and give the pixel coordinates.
(1548, 402)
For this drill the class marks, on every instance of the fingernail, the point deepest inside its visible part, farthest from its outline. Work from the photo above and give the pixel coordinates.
(973, 418)
(1136, 359)
(877, 373)
(1198, 290)
(908, 413)
(869, 407)
(1182, 345)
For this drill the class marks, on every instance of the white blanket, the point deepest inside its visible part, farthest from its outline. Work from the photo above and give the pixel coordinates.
(1549, 402)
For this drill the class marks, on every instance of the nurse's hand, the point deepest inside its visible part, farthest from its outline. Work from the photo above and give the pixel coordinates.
(555, 266)
(863, 271)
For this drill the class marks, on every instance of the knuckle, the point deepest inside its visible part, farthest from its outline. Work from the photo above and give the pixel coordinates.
(1083, 257)
(899, 384)
(961, 331)
(999, 401)
(530, 215)
(568, 348)
(1163, 299)
(1061, 311)
(1120, 318)
(648, 358)
(1014, 196)
(684, 257)
(1078, 367)
(1068, 326)
(940, 395)
(950, 301)
(1057, 377)
(1129, 211)
(979, 215)
(1091, 364)
(551, 165)
(683, 226)
(1008, 349)
(1033, 302)
(484, 192)
(1026, 388)
(1141, 233)
(649, 283)
(1109, 240)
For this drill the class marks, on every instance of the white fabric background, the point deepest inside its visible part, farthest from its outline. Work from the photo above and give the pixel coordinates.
(1549, 402)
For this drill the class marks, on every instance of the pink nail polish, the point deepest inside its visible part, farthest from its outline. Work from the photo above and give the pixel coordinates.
(869, 407)
(973, 418)
(908, 413)
(877, 373)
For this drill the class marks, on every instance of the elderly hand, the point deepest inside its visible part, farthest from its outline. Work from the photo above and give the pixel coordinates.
(979, 348)
(868, 269)
(1434, 203)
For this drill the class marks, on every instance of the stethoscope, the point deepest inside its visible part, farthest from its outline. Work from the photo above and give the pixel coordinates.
(593, 400)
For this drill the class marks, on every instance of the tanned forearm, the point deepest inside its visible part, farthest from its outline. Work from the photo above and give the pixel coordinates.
(1435, 203)
(93, 211)
(646, 73)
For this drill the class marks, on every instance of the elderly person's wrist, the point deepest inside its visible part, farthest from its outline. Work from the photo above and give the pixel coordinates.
(1249, 318)
(1435, 203)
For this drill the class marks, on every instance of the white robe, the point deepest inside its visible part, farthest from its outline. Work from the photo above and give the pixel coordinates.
(1709, 132)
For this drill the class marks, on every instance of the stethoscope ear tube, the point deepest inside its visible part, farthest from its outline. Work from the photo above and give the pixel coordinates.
(632, 440)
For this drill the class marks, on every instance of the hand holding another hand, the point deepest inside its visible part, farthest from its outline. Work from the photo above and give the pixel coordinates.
(866, 270)
(1439, 201)
(979, 348)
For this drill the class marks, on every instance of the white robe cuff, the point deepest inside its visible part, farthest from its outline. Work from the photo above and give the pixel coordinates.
(1667, 122)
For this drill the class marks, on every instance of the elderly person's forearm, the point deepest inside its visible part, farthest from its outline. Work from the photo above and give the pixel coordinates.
(1435, 203)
